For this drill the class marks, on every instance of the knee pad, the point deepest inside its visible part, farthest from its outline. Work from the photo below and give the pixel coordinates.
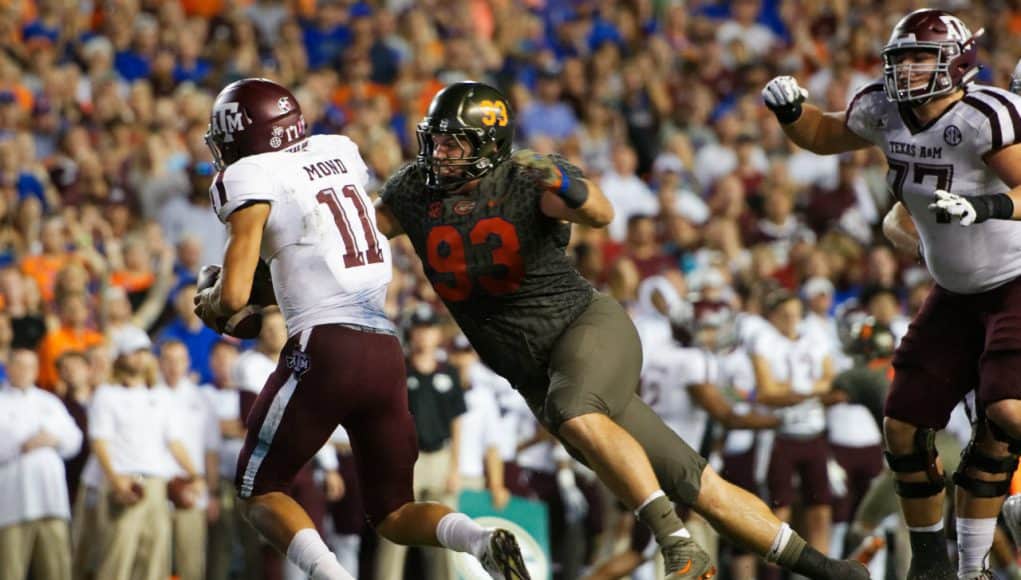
(1000, 434)
(978, 460)
(921, 459)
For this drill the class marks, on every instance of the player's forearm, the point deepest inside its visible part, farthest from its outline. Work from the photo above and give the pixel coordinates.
(239, 264)
(597, 211)
(779, 399)
(822, 133)
(750, 420)
(455, 445)
(241, 257)
(494, 468)
(900, 230)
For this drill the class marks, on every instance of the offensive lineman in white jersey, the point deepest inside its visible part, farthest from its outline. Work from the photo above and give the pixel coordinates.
(299, 203)
(951, 146)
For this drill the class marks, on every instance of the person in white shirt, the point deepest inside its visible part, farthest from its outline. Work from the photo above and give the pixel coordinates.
(229, 529)
(479, 462)
(199, 429)
(36, 435)
(628, 193)
(132, 429)
(792, 372)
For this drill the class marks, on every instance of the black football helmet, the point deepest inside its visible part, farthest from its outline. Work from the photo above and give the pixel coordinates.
(479, 119)
(253, 116)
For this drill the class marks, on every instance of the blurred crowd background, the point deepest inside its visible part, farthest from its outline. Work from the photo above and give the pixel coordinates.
(105, 219)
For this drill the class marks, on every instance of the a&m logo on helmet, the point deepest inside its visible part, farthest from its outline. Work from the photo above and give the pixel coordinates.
(228, 119)
(956, 28)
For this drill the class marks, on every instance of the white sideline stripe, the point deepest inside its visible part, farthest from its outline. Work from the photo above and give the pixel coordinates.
(269, 427)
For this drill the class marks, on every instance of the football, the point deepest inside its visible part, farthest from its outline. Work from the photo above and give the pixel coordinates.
(181, 493)
(247, 322)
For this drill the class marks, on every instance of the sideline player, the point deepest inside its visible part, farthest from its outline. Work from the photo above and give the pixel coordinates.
(491, 229)
(951, 148)
(299, 201)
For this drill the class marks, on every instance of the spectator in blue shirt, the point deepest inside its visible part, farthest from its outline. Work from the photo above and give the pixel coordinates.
(548, 115)
(188, 328)
(327, 36)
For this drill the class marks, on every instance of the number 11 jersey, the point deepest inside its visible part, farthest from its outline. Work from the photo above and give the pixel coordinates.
(949, 153)
(329, 262)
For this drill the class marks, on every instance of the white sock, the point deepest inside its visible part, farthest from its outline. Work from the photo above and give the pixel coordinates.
(838, 535)
(652, 497)
(933, 528)
(974, 540)
(460, 533)
(308, 552)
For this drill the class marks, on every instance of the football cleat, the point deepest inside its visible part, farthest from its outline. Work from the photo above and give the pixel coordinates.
(684, 558)
(502, 558)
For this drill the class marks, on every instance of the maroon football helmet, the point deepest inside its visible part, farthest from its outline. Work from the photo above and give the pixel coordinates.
(943, 34)
(253, 116)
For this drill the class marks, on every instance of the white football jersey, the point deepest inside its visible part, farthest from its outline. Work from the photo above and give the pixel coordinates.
(737, 382)
(947, 153)
(798, 363)
(668, 374)
(329, 262)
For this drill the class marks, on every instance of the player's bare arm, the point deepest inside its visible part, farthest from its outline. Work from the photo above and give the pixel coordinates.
(825, 381)
(242, 254)
(899, 228)
(719, 408)
(772, 392)
(386, 221)
(573, 199)
(806, 125)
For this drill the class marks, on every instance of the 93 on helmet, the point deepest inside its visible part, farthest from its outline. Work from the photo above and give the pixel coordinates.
(480, 122)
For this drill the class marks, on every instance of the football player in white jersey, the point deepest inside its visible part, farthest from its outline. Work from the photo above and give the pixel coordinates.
(682, 381)
(951, 146)
(299, 202)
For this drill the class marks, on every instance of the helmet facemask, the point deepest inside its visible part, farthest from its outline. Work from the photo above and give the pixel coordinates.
(451, 172)
(214, 148)
(902, 84)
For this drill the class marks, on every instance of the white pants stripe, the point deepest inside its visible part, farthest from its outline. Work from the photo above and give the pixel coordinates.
(270, 426)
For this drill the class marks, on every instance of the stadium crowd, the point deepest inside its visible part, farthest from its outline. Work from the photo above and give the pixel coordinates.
(105, 221)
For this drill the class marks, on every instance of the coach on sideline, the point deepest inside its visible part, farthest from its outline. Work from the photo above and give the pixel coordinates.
(36, 435)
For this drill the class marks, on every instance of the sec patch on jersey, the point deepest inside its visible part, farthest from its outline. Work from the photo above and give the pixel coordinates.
(247, 322)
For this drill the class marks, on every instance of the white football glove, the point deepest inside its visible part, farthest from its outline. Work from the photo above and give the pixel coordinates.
(1015, 79)
(949, 206)
(783, 91)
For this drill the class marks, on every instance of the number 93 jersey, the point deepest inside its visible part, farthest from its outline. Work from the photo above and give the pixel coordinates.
(949, 153)
(329, 262)
(497, 262)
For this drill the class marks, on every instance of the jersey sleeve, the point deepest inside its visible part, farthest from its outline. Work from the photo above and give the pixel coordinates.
(998, 119)
(393, 189)
(242, 183)
(863, 114)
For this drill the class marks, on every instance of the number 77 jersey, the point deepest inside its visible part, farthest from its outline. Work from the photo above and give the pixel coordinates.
(949, 153)
(329, 262)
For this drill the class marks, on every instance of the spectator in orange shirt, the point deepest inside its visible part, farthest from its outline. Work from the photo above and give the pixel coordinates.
(43, 267)
(73, 334)
(134, 273)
